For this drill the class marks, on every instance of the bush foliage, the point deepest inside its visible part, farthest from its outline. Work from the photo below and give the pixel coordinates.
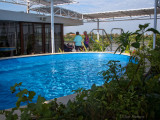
(130, 92)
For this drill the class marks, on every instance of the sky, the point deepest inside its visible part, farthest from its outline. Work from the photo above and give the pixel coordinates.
(92, 6)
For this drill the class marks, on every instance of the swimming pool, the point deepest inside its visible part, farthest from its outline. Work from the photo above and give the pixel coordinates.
(53, 76)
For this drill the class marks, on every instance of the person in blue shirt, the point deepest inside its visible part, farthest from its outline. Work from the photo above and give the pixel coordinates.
(78, 42)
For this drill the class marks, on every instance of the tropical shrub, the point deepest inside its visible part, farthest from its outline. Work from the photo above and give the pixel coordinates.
(150, 44)
(99, 45)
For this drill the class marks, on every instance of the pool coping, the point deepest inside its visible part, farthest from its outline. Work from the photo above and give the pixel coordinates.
(34, 55)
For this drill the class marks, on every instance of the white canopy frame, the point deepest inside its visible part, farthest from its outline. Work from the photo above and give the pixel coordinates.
(58, 11)
(38, 2)
(137, 14)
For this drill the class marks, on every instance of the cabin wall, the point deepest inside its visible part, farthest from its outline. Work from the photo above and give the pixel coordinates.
(23, 38)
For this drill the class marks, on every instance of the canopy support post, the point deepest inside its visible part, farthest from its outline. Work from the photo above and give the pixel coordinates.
(155, 23)
(28, 6)
(97, 29)
(52, 27)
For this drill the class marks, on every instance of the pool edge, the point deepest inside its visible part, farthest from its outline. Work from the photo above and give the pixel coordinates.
(24, 56)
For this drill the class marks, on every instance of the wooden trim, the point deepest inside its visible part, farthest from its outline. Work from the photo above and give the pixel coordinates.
(33, 37)
(43, 38)
(43, 35)
(62, 37)
(43, 23)
(21, 37)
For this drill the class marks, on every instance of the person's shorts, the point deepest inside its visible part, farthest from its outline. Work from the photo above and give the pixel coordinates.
(86, 45)
(77, 47)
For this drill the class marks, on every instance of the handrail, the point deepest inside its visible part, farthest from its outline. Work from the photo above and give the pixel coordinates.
(106, 36)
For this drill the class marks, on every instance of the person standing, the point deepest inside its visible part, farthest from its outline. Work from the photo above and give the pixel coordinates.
(78, 42)
(86, 40)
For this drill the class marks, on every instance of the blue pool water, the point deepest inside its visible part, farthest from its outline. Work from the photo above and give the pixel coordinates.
(53, 76)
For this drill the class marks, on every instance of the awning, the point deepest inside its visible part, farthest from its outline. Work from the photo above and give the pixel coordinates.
(125, 13)
(58, 11)
(56, 2)
(38, 2)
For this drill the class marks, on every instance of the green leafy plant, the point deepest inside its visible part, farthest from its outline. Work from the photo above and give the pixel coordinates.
(99, 45)
(38, 110)
(124, 41)
(150, 44)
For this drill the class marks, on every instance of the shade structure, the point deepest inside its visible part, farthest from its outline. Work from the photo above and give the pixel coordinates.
(58, 11)
(38, 2)
(114, 15)
(122, 13)
(56, 2)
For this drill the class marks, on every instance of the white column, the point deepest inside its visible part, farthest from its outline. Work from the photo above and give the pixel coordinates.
(155, 23)
(28, 6)
(98, 29)
(158, 3)
(52, 27)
